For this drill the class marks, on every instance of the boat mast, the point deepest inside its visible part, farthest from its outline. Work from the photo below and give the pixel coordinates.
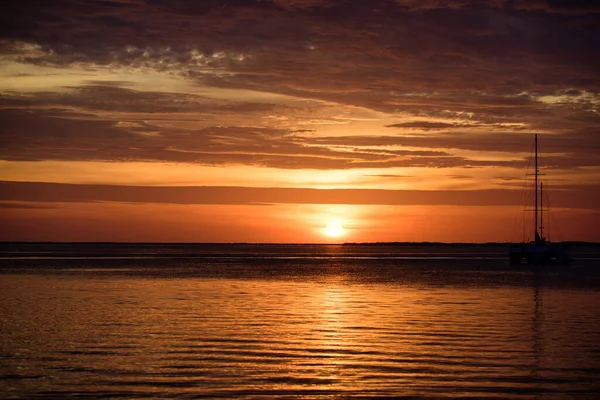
(542, 210)
(535, 225)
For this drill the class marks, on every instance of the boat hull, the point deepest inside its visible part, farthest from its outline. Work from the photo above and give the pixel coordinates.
(539, 253)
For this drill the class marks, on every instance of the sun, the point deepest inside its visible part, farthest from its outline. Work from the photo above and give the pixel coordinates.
(334, 229)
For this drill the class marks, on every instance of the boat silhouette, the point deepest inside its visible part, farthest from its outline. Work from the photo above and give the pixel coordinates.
(539, 250)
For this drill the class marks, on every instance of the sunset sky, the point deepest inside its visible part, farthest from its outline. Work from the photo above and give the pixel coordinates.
(296, 120)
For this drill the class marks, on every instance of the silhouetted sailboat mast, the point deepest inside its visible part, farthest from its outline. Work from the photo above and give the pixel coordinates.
(539, 251)
(539, 198)
(542, 210)
(535, 225)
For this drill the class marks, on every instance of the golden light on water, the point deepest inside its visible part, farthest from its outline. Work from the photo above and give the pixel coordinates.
(335, 326)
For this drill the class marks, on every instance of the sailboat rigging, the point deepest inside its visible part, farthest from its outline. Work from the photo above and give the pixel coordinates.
(539, 251)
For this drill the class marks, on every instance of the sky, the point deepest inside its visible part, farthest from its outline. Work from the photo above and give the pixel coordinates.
(311, 121)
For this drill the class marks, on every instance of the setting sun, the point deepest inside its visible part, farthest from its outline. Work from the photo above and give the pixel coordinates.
(334, 229)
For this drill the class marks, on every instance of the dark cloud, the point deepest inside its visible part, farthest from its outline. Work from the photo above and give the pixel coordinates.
(424, 125)
(485, 65)
(37, 192)
(55, 134)
(113, 97)
(384, 45)
(62, 139)
(553, 6)
(559, 151)
(459, 176)
(558, 6)
(26, 205)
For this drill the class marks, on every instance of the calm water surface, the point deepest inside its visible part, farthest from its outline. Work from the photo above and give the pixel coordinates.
(294, 321)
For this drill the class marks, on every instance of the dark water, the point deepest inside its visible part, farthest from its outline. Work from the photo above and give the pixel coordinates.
(291, 321)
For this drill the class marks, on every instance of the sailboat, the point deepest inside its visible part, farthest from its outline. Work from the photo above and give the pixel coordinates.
(540, 250)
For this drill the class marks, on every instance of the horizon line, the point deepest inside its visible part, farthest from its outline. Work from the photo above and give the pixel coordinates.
(294, 243)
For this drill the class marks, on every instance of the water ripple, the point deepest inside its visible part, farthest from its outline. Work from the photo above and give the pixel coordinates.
(353, 331)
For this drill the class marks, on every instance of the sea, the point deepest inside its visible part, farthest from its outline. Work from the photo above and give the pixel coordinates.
(253, 321)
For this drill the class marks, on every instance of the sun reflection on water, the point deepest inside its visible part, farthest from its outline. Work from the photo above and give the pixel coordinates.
(323, 335)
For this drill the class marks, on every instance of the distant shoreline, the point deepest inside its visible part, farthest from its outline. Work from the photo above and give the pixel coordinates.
(568, 242)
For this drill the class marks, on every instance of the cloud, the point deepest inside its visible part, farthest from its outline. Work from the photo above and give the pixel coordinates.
(112, 97)
(459, 176)
(554, 6)
(36, 192)
(56, 135)
(26, 205)
(423, 125)
(381, 45)
(456, 76)
(34, 133)
(571, 150)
